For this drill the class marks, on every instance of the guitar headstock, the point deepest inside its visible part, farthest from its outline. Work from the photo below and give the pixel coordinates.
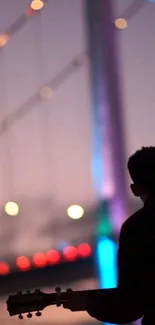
(29, 302)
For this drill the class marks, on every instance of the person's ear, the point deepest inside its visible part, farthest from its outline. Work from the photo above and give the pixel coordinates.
(135, 190)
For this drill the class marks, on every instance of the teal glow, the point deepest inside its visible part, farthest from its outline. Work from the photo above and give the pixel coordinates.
(107, 266)
(104, 226)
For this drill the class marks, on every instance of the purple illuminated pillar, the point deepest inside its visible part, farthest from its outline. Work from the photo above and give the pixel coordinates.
(107, 108)
(115, 109)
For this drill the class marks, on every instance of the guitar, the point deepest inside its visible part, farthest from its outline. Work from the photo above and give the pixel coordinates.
(36, 301)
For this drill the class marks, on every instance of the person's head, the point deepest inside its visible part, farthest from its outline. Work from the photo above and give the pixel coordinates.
(141, 166)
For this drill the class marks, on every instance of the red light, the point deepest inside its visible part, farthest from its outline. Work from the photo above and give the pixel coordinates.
(84, 250)
(40, 259)
(53, 257)
(23, 263)
(4, 268)
(70, 253)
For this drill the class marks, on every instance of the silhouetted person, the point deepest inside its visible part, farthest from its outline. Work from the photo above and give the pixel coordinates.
(134, 296)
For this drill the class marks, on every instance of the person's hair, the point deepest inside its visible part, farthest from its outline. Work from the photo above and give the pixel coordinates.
(141, 166)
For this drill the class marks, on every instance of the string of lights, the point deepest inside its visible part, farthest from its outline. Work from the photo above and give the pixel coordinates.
(45, 92)
(33, 9)
(50, 258)
(36, 5)
(130, 12)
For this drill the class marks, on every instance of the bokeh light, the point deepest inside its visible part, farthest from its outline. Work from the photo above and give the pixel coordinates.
(121, 23)
(84, 250)
(4, 268)
(61, 245)
(23, 263)
(4, 39)
(70, 253)
(40, 259)
(75, 212)
(12, 208)
(37, 4)
(53, 257)
(45, 92)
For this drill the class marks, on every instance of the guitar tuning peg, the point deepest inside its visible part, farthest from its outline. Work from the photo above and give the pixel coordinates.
(29, 315)
(20, 316)
(38, 313)
(58, 290)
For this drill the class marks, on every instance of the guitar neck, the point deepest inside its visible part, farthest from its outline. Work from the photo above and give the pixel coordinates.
(53, 298)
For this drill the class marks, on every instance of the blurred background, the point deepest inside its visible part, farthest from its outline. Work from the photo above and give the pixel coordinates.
(76, 99)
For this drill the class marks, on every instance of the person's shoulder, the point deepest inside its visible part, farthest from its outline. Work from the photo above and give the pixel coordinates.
(132, 223)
